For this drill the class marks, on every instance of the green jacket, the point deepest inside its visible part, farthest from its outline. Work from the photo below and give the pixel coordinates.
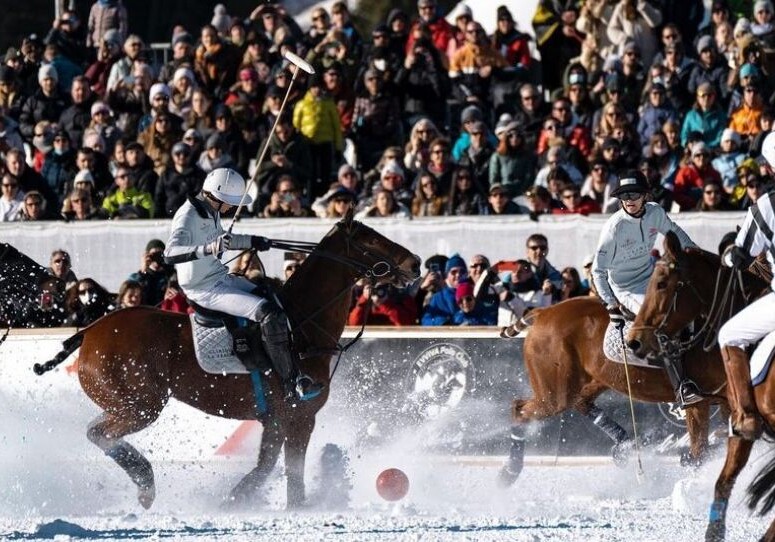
(118, 202)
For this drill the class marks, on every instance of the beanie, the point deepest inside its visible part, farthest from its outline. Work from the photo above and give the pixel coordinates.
(454, 261)
(465, 288)
(47, 70)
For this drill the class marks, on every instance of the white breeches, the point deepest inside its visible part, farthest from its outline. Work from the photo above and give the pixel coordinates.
(631, 301)
(750, 324)
(232, 296)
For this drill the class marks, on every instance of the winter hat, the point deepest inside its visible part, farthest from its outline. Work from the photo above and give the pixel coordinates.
(464, 289)
(705, 42)
(112, 37)
(470, 113)
(46, 71)
(84, 176)
(742, 26)
(393, 168)
(221, 20)
(503, 121)
(762, 5)
(214, 141)
(182, 72)
(730, 135)
(182, 37)
(454, 261)
(99, 107)
(749, 70)
(699, 148)
(460, 10)
(180, 147)
(344, 169)
(159, 88)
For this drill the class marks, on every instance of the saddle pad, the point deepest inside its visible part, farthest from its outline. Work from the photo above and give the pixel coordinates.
(612, 348)
(762, 359)
(214, 350)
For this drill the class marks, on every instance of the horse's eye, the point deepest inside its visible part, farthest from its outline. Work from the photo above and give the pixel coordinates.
(661, 285)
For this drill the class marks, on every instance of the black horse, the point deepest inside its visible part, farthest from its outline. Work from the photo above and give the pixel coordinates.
(30, 296)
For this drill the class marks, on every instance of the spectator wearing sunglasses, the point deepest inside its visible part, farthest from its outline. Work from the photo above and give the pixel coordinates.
(60, 266)
(87, 302)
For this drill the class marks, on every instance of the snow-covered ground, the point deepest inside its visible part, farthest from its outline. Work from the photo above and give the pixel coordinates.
(53, 486)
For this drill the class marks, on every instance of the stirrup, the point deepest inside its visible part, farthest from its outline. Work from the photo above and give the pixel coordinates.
(688, 393)
(306, 388)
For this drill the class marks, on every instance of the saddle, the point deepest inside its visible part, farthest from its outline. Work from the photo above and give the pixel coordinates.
(612, 348)
(214, 342)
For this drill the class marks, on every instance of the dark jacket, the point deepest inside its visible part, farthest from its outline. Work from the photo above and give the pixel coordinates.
(75, 119)
(40, 107)
(174, 187)
(58, 172)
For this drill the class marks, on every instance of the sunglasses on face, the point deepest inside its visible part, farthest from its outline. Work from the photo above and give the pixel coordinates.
(712, 192)
(85, 290)
(537, 247)
(630, 196)
(62, 261)
(478, 265)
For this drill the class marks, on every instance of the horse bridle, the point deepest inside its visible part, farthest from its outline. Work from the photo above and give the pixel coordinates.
(380, 268)
(675, 346)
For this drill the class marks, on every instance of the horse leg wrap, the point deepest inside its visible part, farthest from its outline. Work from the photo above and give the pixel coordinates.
(517, 451)
(136, 466)
(614, 431)
(718, 511)
(274, 332)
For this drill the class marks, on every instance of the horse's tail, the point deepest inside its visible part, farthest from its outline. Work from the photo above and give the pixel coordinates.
(70, 345)
(520, 325)
(762, 489)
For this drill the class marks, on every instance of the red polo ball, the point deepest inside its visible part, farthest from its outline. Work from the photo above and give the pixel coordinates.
(392, 484)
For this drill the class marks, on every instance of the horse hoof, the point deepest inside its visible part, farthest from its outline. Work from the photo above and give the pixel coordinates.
(687, 460)
(716, 532)
(146, 496)
(506, 478)
(620, 453)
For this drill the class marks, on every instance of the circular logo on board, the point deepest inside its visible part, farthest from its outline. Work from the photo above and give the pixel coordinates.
(439, 378)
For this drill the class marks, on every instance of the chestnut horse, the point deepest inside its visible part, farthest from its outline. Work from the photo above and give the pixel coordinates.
(567, 369)
(132, 361)
(681, 290)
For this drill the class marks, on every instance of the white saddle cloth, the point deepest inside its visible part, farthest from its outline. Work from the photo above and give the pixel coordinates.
(214, 349)
(612, 348)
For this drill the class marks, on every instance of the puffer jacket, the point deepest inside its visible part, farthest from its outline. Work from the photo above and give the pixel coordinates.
(104, 16)
(318, 120)
(174, 187)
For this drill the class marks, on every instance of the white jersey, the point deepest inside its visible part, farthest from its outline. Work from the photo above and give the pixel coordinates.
(756, 234)
(623, 263)
(194, 225)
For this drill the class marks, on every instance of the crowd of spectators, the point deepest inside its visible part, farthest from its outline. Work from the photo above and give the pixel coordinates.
(422, 115)
(452, 291)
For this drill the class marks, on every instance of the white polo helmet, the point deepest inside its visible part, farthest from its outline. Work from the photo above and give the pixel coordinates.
(226, 185)
(768, 149)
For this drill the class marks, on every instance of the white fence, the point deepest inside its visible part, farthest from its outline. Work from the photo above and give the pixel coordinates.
(109, 251)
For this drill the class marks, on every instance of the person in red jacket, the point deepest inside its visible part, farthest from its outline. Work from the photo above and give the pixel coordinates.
(691, 178)
(576, 204)
(383, 305)
(441, 31)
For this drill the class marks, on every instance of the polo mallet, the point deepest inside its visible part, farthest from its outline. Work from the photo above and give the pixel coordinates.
(300, 64)
(639, 469)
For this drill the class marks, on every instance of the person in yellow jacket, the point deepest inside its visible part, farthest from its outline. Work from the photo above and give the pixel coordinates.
(315, 116)
(127, 201)
(745, 119)
(472, 66)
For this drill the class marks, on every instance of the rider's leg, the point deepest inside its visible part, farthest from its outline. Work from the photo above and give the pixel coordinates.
(745, 328)
(233, 295)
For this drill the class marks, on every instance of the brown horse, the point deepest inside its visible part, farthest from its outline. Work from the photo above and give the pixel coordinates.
(567, 369)
(132, 361)
(682, 290)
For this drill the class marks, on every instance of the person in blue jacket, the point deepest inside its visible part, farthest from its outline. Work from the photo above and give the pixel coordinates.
(442, 307)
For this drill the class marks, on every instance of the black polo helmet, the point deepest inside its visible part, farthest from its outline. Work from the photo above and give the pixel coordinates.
(631, 181)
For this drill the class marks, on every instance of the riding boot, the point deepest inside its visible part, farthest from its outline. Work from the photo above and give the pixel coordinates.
(746, 422)
(274, 332)
(244, 345)
(686, 391)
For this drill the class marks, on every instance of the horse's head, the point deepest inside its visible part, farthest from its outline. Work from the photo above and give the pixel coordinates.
(678, 292)
(372, 255)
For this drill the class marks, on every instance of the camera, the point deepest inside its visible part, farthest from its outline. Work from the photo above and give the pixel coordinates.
(382, 290)
(434, 268)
